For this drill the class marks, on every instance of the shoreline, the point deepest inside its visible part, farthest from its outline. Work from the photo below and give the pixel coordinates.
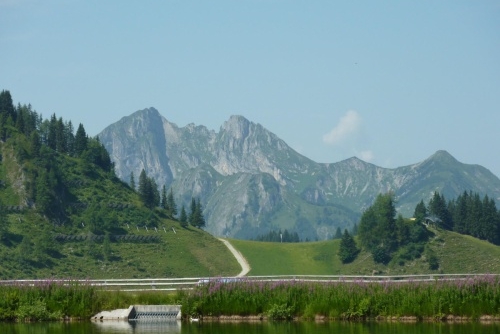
(319, 318)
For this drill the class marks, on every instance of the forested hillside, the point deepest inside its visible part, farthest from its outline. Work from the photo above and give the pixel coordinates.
(63, 212)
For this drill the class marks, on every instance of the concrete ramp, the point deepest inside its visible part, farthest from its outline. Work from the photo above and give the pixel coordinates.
(142, 313)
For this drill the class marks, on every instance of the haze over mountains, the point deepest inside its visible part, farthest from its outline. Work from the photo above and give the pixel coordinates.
(250, 181)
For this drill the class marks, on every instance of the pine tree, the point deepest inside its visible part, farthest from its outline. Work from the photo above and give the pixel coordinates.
(199, 215)
(420, 212)
(183, 217)
(377, 228)
(132, 181)
(80, 140)
(348, 251)
(196, 218)
(171, 203)
(437, 207)
(164, 203)
(52, 135)
(144, 188)
(192, 217)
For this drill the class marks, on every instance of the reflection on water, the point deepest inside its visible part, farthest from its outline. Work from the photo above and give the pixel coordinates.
(174, 327)
(138, 327)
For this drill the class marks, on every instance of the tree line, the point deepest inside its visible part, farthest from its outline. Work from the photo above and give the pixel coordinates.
(41, 140)
(278, 236)
(152, 198)
(467, 214)
(388, 236)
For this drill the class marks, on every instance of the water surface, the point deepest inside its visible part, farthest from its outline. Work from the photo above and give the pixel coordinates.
(173, 327)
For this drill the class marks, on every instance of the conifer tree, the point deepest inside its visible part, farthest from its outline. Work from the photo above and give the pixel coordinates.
(420, 212)
(196, 218)
(164, 203)
(183, 219)
(171, 203)
(377, 228)
(132, 181)
(80, 140)
(348, 251)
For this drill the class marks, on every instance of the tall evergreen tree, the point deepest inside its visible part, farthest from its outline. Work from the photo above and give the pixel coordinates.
(196, 215)
(192, 209)
(171, 203)
(80, 140)
(377, 228)
(6, 105)
(348, 251)
(163, 202)
(437, 207)
(199, 215)
(420, 212)
(144, 188)
(132, 181)
(183, 219)
(52, 135)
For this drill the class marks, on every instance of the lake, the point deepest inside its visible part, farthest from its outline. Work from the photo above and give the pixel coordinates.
(249, 328)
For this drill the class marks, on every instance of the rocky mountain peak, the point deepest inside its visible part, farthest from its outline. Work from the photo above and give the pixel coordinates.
(237, 127)
(250, 181)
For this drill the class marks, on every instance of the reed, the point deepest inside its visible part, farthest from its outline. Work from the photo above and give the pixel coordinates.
(471, 297)
(47, 300)
(60, 299)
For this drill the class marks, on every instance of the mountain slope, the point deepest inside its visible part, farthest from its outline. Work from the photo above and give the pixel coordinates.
(65, 214)
(250, 181)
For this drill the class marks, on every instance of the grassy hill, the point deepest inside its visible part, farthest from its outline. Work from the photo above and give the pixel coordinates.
(456, 254)
(65, 214)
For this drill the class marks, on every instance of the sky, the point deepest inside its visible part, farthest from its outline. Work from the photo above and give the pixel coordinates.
(390, 82)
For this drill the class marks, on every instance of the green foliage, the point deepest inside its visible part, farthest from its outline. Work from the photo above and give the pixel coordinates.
(81, 140)
(148, 191)
(54, 183)
(280, 312)
(420, 212)
(377, 228)
(437, 207)
(348, 251)
(195, 217)
(345, 300)
(183, 218)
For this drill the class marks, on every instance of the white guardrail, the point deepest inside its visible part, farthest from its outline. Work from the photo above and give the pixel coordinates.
(173, 284)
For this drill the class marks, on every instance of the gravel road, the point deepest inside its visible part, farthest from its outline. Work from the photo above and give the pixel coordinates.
(245, 267)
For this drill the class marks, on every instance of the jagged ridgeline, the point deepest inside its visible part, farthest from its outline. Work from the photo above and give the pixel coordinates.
(64, 212)
(250, 182)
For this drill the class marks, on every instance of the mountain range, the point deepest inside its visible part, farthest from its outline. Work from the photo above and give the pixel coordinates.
(249, 181)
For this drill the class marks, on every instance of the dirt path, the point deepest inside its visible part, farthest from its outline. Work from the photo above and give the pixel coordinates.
(245, 267)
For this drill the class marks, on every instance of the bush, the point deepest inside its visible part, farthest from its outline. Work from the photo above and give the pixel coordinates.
(280, 312)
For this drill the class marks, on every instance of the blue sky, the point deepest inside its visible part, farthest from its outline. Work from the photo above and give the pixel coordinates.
(388, 81)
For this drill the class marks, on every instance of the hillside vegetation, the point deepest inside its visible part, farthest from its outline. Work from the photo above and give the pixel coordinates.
(456, 253)
(64, 213)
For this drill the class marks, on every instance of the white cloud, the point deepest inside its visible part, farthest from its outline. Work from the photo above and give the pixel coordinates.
(347, 126)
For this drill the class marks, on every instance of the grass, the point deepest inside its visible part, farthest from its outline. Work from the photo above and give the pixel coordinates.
(456, 253)
(186, 253)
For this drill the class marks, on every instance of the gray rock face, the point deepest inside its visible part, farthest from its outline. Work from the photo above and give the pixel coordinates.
(250, 181)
